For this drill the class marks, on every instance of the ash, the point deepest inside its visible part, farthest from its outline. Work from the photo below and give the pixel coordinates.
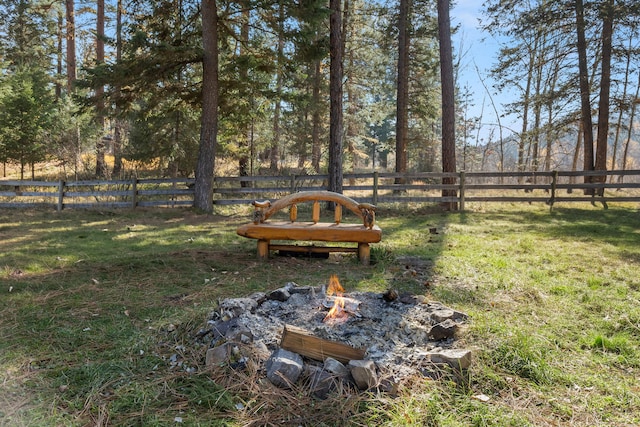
(396, 330)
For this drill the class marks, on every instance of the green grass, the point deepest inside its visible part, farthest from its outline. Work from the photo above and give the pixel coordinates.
(98, 312)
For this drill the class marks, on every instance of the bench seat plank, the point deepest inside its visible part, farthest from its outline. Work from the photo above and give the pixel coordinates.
(325, 232)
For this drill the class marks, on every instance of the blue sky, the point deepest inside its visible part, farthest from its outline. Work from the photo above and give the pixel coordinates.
(478, 49)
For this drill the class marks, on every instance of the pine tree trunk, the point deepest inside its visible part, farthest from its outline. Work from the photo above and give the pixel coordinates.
(71, 44)
(101, 165)
(71, 71)
(203, 198)
(605, 88)
(59, 52)
(117, 131)
(448, 100)
(245, 139)
(275, 145)
(585, 93)
(350, 131)
(402, 100)
(315, 131)
(335, 89)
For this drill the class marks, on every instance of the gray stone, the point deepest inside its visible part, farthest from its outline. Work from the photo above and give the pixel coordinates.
(221, 328)
(219, 355)
(439, 312)
(389, 386)
(456, 358)
(443, 330)
(284, 368)
(298, 300)
(304, 290)
(407, 298)
(390, 295)
(290, 285)
(260, 351)
(321, 382)
(238, 306)
(459, 316)
(435, 305)
(363, 373)
(442, 314)
(242, 335)
(335, 367)
(258, 297)
(281, 295)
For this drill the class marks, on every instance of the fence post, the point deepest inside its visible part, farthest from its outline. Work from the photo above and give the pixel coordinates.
(60, 195)
(462, 183)
(375, 188)
(554, 185)
(134, 193)
(293, 183)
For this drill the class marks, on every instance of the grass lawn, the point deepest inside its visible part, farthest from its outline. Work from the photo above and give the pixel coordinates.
(99, 309)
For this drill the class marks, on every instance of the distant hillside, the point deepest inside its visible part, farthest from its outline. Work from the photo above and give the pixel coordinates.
(487, 157)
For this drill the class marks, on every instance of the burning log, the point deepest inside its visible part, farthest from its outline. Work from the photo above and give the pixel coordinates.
(339, 306)
(302, 342)
(349, 305)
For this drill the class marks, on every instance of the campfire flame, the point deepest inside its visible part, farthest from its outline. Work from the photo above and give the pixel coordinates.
(335, 288)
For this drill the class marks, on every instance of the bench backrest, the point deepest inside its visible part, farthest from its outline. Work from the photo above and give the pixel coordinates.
(364, 211)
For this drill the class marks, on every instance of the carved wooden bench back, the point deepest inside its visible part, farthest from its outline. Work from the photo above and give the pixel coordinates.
(364, 211)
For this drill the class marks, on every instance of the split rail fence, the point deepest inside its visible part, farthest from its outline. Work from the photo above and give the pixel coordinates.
(375, 187)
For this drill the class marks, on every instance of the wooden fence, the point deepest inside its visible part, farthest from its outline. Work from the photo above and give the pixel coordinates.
(97, 194)
(377, 188)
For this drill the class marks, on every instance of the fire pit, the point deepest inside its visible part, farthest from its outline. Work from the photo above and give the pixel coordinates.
(307, 330)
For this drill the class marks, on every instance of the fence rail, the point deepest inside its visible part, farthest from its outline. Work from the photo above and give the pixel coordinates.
(377, 188)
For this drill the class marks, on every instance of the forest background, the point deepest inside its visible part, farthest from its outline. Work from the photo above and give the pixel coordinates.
(113, 88)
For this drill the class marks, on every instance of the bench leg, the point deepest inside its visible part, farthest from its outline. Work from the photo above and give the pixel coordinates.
(364, 253)
(263, 249)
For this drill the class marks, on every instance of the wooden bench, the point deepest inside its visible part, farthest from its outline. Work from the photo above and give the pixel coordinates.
(265, 231)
